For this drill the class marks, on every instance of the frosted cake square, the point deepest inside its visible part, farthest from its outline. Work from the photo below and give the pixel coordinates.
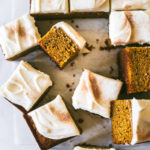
(51, 124)
(18, 37)
(25, 86)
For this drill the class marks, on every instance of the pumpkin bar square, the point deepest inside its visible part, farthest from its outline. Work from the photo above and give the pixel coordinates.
(51, 124)
(130, 121)
(135, 68)
(94, 93)
(25, 86)
(62, 43)
(129, 27)
(19, 37)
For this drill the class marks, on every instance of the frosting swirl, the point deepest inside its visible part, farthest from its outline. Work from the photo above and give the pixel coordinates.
(49, 6)
(89, 5)
(140, 121)
(54, 121)
(130, 4)
(25, 86)
(120, 28)
(18, 36)
(92, 93)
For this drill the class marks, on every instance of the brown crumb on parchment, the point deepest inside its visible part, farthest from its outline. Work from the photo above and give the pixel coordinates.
(85, 54)
(72, 64)
(97, 40)
(76, 26)
(111, 70)
(89, 47)
(68, 85)
(107, 47)
(80, 120)
(70, 90)
(72, 21)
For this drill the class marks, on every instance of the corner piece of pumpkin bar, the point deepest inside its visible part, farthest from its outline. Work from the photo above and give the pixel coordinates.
(25, 86)
(129, 27)
(134, 68)
(130, 121)
(19, 37)
(94, 93)
(51, 124)
(62, 43)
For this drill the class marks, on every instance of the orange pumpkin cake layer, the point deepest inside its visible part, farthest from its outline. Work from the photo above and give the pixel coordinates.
(62, 43)
(135, 68)
(130, 121)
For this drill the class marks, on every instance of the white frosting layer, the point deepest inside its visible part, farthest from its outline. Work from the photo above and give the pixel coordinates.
(53, 120)
(95, 92)
(140, 121)
(82, 148)
(74, 35)
(129, 27)
(89, 5)
(49, 6)
(25, 86)
(18, 36)
(130, 4)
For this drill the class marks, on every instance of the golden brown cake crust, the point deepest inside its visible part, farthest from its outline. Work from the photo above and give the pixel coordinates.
(122, 121)
(124, 68)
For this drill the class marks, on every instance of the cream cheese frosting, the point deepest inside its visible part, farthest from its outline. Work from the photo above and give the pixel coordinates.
(53, 120)
(74, 35)
(130, 4)
(140, 121)
(89, 5)
(25, 86)
(83, 148)
(18, 36)
(128, 27)
(49, 6)
(95, 92)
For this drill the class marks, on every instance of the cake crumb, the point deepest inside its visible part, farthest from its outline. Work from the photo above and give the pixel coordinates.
(76, 26)
(80, 120)
(72, 21)
(68, 85)
(111, 70)
(70, 90)
(89, 47)
(97, 40)
(72, 64)
(84, 54)
(74, 75)
(107, 47)
(73, 83)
